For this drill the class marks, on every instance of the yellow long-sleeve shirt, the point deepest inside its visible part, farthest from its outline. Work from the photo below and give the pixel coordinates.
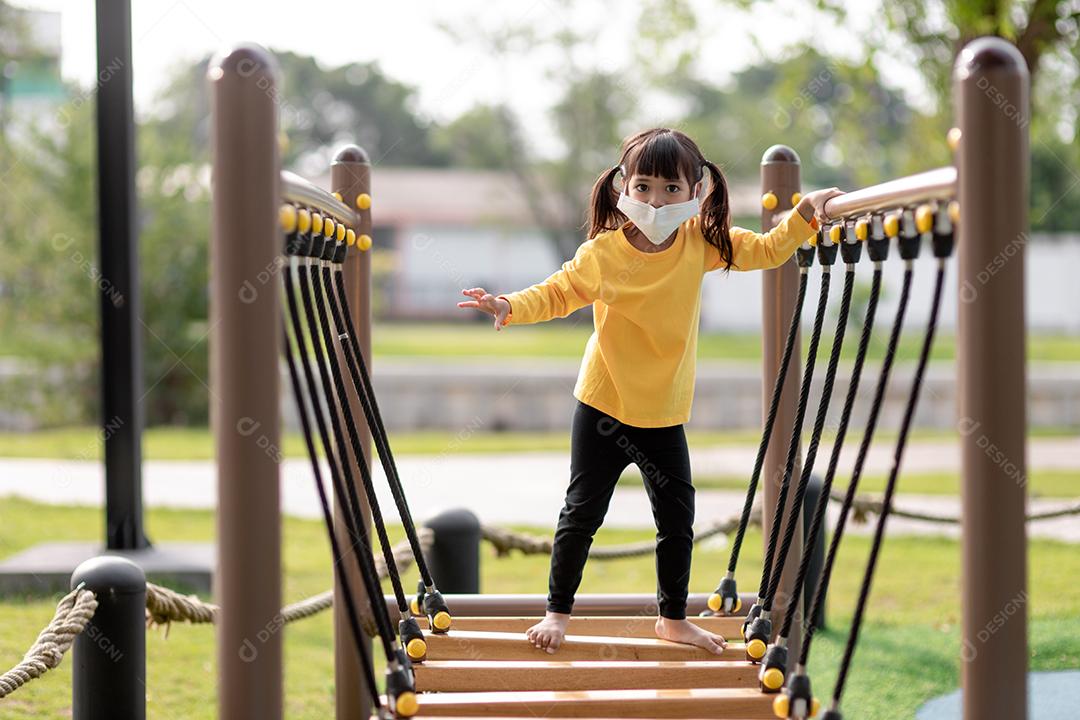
(640, 362)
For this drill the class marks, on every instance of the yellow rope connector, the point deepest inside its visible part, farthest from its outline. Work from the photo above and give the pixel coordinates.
(303, 221)
(328, 228)
(769, 201)
(316, 223)
(406, 704)
(416, 648)
(339, 234)
(781, 705)
(862, 229)
(336, 196)
(773, 679)
(954, 212)
(924, 219)
(891, 224)
(287, 218)
(795, 198)
(834, 234)
(363, 201)
(953, 138)
(350, 237)
(363, 242)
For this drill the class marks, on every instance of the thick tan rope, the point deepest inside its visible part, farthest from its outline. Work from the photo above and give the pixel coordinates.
(73, 613)
(165, 606)
(865, 506)
(506, 540)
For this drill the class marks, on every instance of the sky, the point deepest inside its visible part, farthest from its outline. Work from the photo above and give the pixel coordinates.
(406, 40)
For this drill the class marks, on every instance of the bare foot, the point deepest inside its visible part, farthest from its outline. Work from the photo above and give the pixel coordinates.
(684, 631)
(548, 634)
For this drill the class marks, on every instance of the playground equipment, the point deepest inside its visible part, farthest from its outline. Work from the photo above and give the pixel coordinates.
(479, 665)
(988, 181)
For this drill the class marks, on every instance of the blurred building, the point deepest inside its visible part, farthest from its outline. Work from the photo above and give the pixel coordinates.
(30, 81)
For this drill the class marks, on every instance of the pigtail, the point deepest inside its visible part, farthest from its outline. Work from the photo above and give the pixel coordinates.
(603, 213)
(716, 215)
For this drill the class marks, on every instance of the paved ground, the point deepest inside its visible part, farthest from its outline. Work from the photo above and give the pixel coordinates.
(523, 488)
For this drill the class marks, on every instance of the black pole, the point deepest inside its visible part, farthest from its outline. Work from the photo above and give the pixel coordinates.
(454, 557)
(817, 553)
(121, 347)
(108, 666)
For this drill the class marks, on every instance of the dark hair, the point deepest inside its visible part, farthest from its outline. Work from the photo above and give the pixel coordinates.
(666, 153)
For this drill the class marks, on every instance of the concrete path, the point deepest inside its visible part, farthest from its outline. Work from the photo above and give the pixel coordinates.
(520, 488)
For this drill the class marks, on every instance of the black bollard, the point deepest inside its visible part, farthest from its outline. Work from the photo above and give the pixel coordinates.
(454, 558)
(109, 657)
(817, 557)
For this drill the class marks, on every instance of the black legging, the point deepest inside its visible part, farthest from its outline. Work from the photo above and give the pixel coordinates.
(600, 449)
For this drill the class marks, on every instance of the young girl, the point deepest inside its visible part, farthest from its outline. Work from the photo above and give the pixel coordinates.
(650, 243)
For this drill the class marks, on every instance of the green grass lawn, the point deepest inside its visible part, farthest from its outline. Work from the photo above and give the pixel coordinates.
(567, 340)
(908, 651)
(197, 443)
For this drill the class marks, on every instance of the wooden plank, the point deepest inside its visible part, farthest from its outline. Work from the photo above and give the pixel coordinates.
(470, 645)
(504, 675)
(635, 626)
(723, 704)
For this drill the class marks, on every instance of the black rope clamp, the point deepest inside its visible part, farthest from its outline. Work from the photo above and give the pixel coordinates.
(773, 665)
(943, 235)
(437, 612)
(878, 244)
(318, 242)
(401, 692)
(797, 701)
(757, 636)
(725, 600)
(910, 239)
(339, 254)
(751, 616)
(412, 639)
(826, 248)
(294, 242)
(330, 249)
(805, 254)
(850, 248)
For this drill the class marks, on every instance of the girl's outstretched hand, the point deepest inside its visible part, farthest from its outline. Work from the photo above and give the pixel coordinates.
(486, 302)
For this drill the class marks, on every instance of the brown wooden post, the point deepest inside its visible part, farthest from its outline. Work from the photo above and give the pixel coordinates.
(350, 176)
(245, 351)
(991, 93)
(780, 176)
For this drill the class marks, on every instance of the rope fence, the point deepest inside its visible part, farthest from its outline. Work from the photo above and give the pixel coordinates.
(73, 613)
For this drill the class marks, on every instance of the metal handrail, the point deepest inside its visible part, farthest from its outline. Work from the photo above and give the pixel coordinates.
(939, 184)
(298, 190)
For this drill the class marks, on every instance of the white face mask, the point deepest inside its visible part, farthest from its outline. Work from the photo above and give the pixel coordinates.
(658, 223)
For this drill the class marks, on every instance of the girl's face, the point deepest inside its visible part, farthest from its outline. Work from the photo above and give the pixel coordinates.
(658, 191)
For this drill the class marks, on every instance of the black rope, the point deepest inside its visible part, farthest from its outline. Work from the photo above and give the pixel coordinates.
(763, 446)
(354, 439)
(819, 424)
(864, 447)
(357, 531)
(359, 639)
(890, 487)
(770, 575)
(354, 358)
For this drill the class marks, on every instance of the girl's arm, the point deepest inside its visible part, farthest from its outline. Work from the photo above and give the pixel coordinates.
(573, 286)
(762, 251)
